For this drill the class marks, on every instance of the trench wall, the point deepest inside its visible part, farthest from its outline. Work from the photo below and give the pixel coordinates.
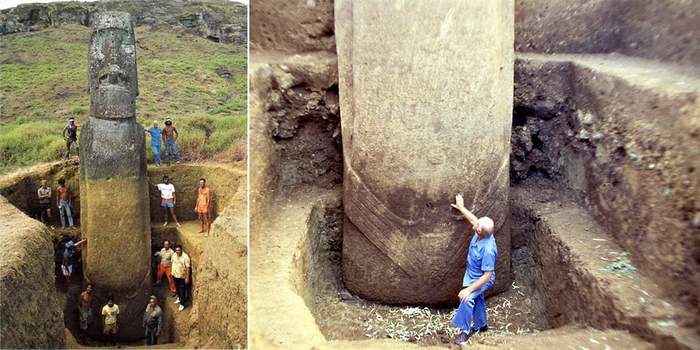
(629, 151)
(218, 317)
(31, 314)
(221, 182)
(292, 26)
(20, 188)
(664, 30)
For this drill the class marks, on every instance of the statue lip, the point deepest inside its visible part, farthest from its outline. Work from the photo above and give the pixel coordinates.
(114, 87)
(111, 101)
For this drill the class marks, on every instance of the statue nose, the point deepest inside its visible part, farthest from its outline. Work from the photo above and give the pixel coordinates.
(113, 77)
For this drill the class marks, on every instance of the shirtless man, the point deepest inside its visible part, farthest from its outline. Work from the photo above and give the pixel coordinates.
(170, 136)
(64, 203)
(203, 206)
(85, 307)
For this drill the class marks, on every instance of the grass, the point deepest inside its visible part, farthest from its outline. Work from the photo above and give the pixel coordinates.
(200, 84)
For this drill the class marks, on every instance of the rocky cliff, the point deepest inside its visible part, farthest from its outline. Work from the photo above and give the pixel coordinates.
(218, 20)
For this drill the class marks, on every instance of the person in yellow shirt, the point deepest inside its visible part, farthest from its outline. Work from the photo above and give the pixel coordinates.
(181, 274)
(110, 312)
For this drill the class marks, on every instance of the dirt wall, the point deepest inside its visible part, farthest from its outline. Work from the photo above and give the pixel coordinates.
(626, 145)
(31, 315)
(20, 188)
(296, 123)
(221, 181)
(218, 317)
(292, 26)
(663, 30)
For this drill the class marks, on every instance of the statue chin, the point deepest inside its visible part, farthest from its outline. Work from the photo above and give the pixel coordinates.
(113, 102)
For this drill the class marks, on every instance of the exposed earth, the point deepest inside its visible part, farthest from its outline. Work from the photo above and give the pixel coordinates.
(604, 156)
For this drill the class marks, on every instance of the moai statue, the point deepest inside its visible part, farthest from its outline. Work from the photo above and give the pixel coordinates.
(114, 206)
(426, 91)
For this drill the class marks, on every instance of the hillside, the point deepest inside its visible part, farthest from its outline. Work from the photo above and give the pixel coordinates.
(184, 73)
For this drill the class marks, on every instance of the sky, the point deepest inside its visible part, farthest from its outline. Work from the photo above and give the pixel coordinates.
(12, 3)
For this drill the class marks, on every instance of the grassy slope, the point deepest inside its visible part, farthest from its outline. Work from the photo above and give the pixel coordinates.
(43, 81)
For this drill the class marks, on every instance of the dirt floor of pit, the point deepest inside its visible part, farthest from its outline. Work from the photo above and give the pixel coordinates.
(284, 276)
(175, 321)
(519, 310)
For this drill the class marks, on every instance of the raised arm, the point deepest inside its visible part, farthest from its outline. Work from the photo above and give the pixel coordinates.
(459, 205)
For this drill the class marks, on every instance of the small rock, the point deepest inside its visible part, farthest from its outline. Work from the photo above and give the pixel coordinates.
(597, 136)
(696, 219)
(583, 135)
(587, 119)
(345, 295)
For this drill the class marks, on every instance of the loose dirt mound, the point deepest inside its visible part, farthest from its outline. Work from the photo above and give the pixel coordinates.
(30, 311)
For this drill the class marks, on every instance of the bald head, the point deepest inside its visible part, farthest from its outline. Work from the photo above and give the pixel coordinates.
(484, 226)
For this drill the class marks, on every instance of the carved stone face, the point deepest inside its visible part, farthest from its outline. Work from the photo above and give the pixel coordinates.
(112, 73)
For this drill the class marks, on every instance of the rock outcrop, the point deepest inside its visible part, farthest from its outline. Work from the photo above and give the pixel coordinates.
(218, 20)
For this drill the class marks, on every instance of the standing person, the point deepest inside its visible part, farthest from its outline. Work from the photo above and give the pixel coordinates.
(479, 276)
(152, 321)
(85, 307)
(203, 206)
(44, 194)
(156, 135)
(70, 134)
(70, 256)
(168, 199)
(170, 136)
(181, 274)
(165, 266)
(110, 314)
(64, 203)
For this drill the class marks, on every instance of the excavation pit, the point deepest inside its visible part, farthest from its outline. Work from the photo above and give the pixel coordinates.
(343, 316)
(580, 274)
(225, 181)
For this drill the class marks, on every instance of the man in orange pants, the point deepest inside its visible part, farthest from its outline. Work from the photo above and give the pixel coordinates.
(165, 266)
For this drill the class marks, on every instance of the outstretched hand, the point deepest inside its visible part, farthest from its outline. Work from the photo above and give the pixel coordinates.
(459, 202)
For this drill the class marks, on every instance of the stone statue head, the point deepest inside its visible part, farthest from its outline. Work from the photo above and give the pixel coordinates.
(112, 79)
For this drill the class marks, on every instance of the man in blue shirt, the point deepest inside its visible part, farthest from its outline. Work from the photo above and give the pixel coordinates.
(479, 276)
(155, 133)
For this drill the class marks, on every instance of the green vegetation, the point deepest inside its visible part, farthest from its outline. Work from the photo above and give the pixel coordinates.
(198, 83)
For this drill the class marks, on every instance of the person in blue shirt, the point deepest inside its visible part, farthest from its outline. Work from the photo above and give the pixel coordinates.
(156, 134)
(479, 276)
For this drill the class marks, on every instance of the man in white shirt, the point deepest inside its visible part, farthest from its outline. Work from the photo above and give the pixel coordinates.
(181, 274)
(167, 199)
